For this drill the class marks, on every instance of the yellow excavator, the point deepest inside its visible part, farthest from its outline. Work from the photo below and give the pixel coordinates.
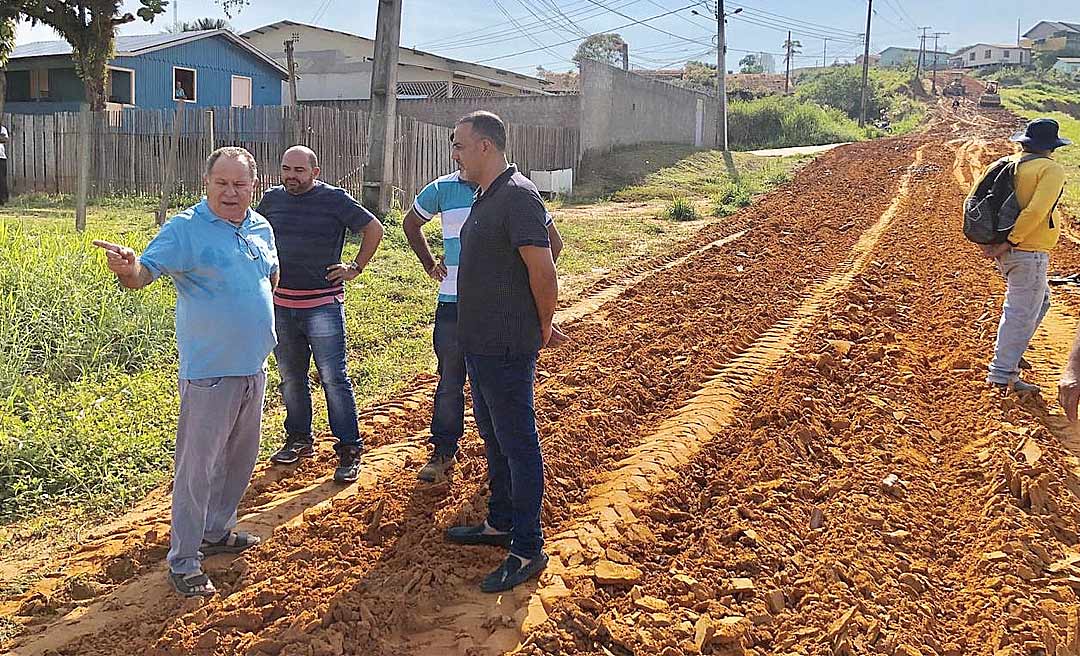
(990, 97)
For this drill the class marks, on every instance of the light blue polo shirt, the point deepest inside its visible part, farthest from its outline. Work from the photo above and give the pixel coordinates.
(224, 304)
(451, 198)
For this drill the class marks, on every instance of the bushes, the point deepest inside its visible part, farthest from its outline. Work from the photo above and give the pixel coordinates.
(681, 209)
(780, 122)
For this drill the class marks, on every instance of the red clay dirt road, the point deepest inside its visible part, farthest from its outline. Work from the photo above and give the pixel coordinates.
(773, 441)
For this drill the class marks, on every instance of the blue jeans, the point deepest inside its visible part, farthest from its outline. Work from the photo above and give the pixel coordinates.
(448, 417)
(1027, 299)
(502, 391)
(318, 332)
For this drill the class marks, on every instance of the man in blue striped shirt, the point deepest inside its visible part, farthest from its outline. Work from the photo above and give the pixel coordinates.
(451, 198)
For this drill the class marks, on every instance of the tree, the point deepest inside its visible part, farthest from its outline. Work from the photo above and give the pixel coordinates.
(840, 87)
(200, 24)
(699, 76)
(796, 47)
(751, 64)
(605, 48)
(7, 44)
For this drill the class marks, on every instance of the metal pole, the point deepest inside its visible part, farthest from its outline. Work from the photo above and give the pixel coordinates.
(379, 172)
(933, 84)
(787, 62)
(721, 76)
(865, 64)
(824, 51)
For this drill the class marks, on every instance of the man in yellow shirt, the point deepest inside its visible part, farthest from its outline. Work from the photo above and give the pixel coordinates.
(1024, 258)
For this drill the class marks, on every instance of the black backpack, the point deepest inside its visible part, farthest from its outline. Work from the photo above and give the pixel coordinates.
(990, 212)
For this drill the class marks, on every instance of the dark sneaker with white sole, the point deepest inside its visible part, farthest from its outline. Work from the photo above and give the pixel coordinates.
(513, 572)
(348, 466)
(478, 534)
(437, 467)
(293, 451)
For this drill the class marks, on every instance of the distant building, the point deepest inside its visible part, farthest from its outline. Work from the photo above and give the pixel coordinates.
(1068, 65)
(896, 57)
(1052, 36)
(874, 60)
(335, 65)
(210, 68)
(767, 61)
(982, 55)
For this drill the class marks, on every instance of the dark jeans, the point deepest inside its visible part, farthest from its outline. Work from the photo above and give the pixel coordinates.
(318, 332)
(3, 181)
(502, 391)
(448, 417)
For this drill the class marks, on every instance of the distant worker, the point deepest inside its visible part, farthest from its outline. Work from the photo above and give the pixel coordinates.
(221, 258)
(1024, 257)
(451, 198)
(310, 219)
(507, 293)
(179, 93)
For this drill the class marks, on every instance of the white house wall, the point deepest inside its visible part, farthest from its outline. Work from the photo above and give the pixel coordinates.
(332, 65)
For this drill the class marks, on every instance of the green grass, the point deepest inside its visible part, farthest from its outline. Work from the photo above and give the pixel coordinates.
(681, 209)
(1035, 101)
(708, 173)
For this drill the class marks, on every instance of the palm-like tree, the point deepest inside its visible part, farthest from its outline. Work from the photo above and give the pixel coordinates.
(200, 24)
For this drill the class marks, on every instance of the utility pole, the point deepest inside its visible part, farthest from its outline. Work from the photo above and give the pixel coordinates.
(824, 50)
(787, 63)
(721, 77)
(625, 55)
(291, 61)
(1018, 33)
(922, 51)
(865, 64)
(383, 120)
(933, 83)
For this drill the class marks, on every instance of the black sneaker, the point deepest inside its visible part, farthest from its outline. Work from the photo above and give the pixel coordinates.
(512, 573)
(293, 451)
(348, 466)
(437, 467)
(475, 535)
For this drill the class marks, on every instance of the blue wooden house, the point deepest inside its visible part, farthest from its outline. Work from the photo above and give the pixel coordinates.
(211, 68)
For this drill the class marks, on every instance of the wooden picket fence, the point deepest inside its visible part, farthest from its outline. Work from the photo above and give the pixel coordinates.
(130, 149)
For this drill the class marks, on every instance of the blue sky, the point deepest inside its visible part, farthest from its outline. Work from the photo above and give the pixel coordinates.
(479, 30)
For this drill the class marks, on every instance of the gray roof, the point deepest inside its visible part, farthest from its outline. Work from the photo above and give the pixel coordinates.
(1060, 26)
(129, 46)
(125, 45)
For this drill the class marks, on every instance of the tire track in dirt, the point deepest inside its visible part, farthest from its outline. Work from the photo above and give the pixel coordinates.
(359, 562)
(789, 536)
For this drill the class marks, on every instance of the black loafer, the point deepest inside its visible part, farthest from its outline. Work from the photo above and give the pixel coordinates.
(512, 573)
(475, 535)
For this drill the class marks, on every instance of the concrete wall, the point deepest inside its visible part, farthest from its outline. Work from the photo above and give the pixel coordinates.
(619, 108)
(544, 111)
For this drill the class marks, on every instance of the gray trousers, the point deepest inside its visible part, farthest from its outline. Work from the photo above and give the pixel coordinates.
(1027, 299)
(217, 443)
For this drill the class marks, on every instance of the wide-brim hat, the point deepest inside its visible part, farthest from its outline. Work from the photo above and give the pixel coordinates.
(1041, 134)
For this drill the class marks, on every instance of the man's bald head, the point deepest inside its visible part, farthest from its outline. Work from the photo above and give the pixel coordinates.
(299, 169)
(296, 151)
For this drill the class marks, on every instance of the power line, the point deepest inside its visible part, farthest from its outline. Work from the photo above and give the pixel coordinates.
(643, 21)
(482, 34)
(524, 33)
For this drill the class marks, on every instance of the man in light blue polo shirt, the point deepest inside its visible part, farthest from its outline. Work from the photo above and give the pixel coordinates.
(451, 197)
(222, 259)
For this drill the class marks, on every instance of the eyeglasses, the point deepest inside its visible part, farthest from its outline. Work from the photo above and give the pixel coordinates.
(247, 247)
